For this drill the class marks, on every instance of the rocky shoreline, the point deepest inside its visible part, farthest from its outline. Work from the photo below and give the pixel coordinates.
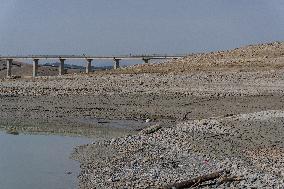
(206, 126)
(248, 145)
(209, 120)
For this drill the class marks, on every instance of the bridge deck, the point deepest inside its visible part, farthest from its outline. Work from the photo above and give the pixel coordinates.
(82, 57)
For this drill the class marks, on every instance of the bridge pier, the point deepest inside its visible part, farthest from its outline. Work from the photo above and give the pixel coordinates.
(116, 63)
(35, 67)
(61, 67)
(9, 67)
(89, 66)
(146, 60)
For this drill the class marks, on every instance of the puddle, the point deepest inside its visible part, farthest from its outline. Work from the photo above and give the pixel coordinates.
(38, 161)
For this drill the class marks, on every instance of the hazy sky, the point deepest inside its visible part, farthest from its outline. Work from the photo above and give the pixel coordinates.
(103, 27)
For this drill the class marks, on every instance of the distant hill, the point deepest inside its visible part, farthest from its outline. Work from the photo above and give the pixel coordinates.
(73, 66)
(252, 57)
(67, 66)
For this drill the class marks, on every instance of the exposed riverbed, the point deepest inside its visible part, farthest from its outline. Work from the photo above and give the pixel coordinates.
(209, 121)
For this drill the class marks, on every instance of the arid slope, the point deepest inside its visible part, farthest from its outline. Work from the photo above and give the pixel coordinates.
(253, 57)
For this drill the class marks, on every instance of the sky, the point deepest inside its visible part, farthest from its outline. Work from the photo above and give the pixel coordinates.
(118, 27)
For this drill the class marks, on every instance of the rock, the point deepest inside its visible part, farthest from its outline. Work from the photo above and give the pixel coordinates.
(151, 129)
(12, 132)
(148, 120)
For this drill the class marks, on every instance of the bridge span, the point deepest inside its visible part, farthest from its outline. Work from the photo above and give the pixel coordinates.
(62, 58)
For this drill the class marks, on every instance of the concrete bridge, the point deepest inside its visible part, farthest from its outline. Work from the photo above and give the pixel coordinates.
(62, 58)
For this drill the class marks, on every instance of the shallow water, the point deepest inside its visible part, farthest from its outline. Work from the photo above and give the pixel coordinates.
(37, 161)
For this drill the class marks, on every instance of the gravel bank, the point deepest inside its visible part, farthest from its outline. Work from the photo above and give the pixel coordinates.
(214, 119)
(208, 123)
(83, 101)
(239, 143)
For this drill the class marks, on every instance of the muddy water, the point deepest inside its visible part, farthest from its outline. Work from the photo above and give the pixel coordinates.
(37, 161)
